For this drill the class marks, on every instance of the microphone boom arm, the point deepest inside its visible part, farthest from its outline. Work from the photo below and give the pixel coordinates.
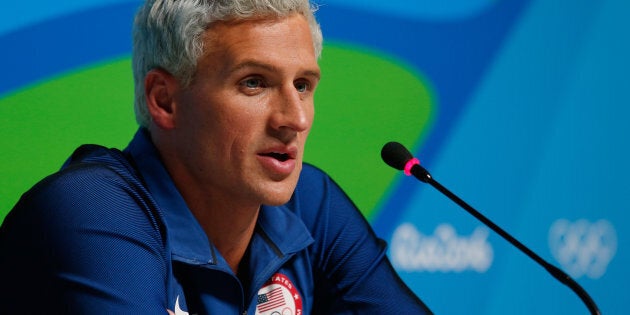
(423, 175)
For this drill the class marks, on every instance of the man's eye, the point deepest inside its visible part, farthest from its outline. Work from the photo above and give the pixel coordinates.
(252, 83)
(301, 86)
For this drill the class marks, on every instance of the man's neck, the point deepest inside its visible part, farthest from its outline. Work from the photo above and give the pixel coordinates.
(227, 220)
(228, 227)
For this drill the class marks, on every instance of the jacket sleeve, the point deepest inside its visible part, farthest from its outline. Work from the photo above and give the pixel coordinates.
(82, 242)
(354, 275)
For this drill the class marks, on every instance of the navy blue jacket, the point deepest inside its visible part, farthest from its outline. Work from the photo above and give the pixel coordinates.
(110, 234)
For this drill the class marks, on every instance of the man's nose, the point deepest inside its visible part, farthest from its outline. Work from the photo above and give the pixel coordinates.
(292, 111)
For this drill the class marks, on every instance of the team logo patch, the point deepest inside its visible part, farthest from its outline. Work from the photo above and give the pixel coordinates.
(279, 297)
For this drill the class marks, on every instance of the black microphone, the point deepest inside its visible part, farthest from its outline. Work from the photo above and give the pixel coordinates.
(398, 157)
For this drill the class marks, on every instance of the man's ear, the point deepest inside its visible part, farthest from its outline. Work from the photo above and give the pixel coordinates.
(159, 90)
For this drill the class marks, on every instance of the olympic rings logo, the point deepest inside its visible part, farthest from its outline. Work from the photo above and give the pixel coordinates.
(582, 247)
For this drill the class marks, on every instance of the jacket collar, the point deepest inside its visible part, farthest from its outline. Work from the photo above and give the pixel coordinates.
(282, 229)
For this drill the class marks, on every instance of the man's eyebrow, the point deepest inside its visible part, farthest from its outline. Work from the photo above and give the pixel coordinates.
(251, 64)
(268, 67)
(313, 73)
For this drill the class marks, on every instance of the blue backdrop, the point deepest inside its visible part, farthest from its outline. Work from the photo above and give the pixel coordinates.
(530, 102)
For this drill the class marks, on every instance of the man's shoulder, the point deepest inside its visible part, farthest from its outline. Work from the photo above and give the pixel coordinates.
(94, 182)
(317, 193)
(93, 197)
(91, 170)
(313, 182)
(311, 172)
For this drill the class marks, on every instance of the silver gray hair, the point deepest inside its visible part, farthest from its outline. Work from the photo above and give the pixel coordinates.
(167, 34)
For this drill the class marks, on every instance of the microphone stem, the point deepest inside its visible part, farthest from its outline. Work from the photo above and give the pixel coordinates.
(423, 175)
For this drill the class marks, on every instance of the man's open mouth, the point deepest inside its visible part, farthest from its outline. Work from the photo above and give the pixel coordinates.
(282, 157)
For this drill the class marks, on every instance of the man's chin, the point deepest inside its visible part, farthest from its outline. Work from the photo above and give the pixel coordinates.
(278, 200)
(280, 194)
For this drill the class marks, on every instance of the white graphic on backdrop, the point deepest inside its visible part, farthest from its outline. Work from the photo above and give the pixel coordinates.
(444, 251)
(582, 247)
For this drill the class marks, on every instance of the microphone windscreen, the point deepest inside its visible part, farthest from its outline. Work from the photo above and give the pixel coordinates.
(395, 155)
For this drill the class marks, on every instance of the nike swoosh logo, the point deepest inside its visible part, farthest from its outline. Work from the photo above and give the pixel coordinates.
(178, 309)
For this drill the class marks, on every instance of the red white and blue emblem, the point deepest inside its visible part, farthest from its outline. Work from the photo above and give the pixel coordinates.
(279, 297)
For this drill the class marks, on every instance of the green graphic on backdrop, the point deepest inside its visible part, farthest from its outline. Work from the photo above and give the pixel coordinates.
(43, 123)
(363, 101)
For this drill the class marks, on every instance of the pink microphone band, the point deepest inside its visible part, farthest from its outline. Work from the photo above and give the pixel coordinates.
(410, 165)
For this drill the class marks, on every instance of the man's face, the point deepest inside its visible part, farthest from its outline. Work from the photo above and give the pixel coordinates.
(243, 122)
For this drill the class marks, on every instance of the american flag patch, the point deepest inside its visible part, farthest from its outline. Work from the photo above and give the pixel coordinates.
(278, 295)
(271, 300)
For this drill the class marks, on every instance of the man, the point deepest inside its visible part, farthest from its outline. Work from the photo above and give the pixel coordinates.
(209, 210)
